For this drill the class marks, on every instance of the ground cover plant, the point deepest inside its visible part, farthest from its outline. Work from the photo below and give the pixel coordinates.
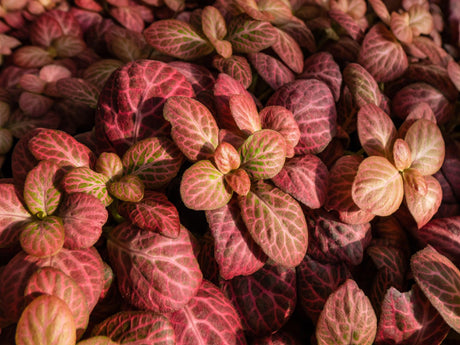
(229, 172)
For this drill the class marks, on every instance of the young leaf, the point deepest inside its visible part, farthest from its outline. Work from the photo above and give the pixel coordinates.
(426, 145)
(226, 158)
(236, 66)
(85, 180)
(439, 279)
(52, 281)
(402, 156)
(61, 148)
(382, 55)
(378, 186)
(263, 154)
(177, 38)
(40, 189)
(409, 318)
(312, 104)
(203, 188)
(127, 188)
(423, 208)
(250, 36)
(215, 29)
(148, 265)
(305, 178)
(83, 216)
(136, 327)
(245, 114)
(43, 238)
(235, 251)
(194, 129)
(46, 320)
(153, 213)
(347, 317)
(272, 70)
(208, 318)
(239, 181)
(264, 300)
(276, 223)
(109, 164)
(155, 160)
(316, 281)
(376, 131)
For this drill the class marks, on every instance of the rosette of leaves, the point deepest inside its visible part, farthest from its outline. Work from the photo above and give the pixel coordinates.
(398, 167)
(274, 219)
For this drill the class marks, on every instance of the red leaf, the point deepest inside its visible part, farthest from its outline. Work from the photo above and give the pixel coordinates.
(43, 238)
(250, 36)
(273, 71)
(198, 76)
(236, 66)
(289, 51)
(245, 114)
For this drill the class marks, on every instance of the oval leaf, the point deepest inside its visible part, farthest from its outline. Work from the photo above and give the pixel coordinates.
(272, 70)
(43, 238)
(250, 36)
(362, 85)
(245, 114)
(236, 66)
(127, 188)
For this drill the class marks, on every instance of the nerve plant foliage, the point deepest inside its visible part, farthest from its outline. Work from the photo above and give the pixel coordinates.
(240, 172)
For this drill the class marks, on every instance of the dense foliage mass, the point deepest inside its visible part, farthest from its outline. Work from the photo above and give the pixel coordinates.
(229, 172)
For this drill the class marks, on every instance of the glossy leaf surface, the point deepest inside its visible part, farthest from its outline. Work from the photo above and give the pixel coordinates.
(85, 180)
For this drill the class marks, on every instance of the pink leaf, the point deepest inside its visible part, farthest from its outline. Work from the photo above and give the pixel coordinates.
(305, 178)
(128, 17)
(313, 107)
(136, 327)
(276, 223)
(22, 160)
(347, 317)
(417, 111)
(177, 38)
(127, 188)
(409, 318)
(423, 208)
(316, 281)
(198, 76)
(131, 103)
(235, 251)
(78, 90)
(31, 56)
(378, 186)
(347, 22)
(400, 26)
(236, 66)
(402, 156)
(194, 129)
(239, 181)
(215, 29)
(301, 33)
(439, 280)
(322, 66)
(68, 46)
(155, 160)
(61, 148)
(289, 51)
(453, 69)
(226, 158)
(250, 36)
(52, 281)
(85, 180)
(97, 340)
(380, 10)
(376, 131)
(53, 24)
(35, 105)
(264, 300)
(382, 55)
(109, 164)
(245, 114)
(83, 216)
(203, 187)
(153, 213)
(362, 85)
(43, 238)
(273, 71)
(263, 154)
(46, 320)
(426, 146)
(221, 325)
(148, 264)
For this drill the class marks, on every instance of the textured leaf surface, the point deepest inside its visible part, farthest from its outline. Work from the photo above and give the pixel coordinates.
(316, 281)
(263, 154)
(362, 85)
(289, 51)
(347, 317)
(376, 131)
(46, 320)
(209, 318)
(147, 265)
(203, 187)
(109, 164)
(61, 148)
(12, 214)
(276, 223)
(235, 251)
(177, 38)
(264, 300)
(313, 107)
(197, 75)
(382, 55)
(409, 318)
(155, 160)
(194, 129)
(40, 190)
(215, 29)
(137, 328)
(426, 146)
(97, 340)
(236, 66)
(305, 178)
(334, 241)
(154, 213)
(85, 180)
(52, 281)
(83, 216)
(439, 279)
(245, 113)
(250, 36)
(127, 188)
(43, 238)
(226, 158)
(378, 186)
(272, 70)
(131, 103)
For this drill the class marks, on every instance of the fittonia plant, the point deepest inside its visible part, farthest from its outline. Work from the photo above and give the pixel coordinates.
(235, 172)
